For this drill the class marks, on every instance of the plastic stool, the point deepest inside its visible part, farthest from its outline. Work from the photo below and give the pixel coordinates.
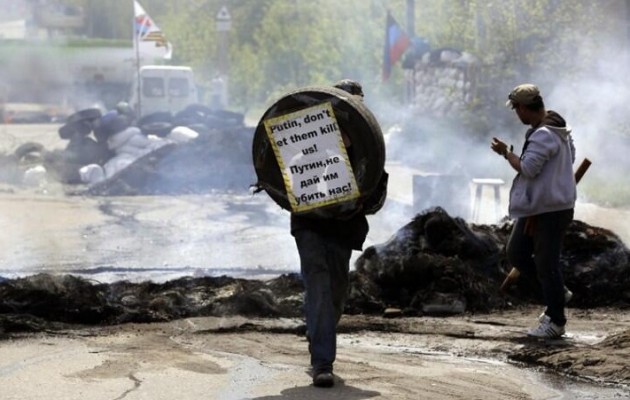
(480, 183)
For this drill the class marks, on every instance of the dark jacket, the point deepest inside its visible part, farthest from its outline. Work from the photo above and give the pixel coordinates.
(351, 232)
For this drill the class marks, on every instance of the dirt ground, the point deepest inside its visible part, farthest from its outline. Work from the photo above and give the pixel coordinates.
(237, 358)
(462, 357)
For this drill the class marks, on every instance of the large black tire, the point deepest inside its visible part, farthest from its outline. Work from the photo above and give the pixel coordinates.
(224, 119)
(354, 118)
(80, 122)
(88, 114)
(28, 148)
(191, 115)
(160, 116)
(83, 127)
(160, 129)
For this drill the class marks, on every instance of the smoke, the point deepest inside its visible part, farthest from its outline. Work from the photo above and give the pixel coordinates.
(431, 160)
(584, 80)
(595, 106)
(589, 87)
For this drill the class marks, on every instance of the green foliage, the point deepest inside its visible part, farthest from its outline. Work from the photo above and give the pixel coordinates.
(610, 191)
(275, 46)
(278, 44)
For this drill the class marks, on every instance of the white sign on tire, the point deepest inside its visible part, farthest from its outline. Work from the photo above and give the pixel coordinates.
(309, 148)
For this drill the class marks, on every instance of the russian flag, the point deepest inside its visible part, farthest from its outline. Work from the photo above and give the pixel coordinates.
(142, 25)
(147, 31)
(396, 42)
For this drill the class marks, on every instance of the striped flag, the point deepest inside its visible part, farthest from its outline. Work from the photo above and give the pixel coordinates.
(145, 30)
(396, 42)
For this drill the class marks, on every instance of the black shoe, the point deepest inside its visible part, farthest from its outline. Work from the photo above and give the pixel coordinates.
(323, 379)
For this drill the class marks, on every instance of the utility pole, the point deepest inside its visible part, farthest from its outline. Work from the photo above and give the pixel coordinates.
(409, 84)
(223, 26)
(627, 30)
(220, 82)
(480, 30)
(411, 18)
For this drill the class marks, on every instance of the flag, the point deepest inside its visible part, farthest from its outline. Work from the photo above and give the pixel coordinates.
(396, 42)
(146, 31)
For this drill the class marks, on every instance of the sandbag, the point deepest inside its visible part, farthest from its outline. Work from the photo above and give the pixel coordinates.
(366, 155)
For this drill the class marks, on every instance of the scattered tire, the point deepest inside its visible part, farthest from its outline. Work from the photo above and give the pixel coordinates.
(88, 114)
(223, 119)
(83, 127)
(198, 109)
(28, 148)
(160, 129)
(161, 116)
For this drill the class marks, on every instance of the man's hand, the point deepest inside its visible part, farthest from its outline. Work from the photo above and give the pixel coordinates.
(499, 147)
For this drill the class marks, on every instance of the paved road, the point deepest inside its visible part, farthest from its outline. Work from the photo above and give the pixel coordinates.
(162, 237)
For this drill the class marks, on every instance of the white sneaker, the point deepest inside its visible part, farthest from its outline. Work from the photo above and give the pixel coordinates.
(547, 330)
(568, 295)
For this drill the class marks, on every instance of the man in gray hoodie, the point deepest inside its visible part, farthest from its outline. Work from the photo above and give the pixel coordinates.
(542, 199)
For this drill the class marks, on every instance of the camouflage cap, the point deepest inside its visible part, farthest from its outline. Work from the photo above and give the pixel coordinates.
(524, 94)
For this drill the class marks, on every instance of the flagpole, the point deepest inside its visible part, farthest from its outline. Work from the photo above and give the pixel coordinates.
(138, 82)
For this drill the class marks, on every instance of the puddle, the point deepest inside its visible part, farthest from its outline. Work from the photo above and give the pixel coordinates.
(567, 388)
(570, 389)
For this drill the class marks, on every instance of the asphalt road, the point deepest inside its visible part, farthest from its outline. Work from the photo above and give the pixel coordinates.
(163, 237)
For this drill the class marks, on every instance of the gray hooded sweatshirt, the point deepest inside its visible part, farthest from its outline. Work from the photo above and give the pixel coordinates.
(546, 182)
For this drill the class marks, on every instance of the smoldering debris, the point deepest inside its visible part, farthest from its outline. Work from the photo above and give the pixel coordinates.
(72, 300)
(437, 264)
(434, 265)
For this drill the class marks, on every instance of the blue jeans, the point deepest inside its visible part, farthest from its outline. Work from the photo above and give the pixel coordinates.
(538, 257)
(324, 263)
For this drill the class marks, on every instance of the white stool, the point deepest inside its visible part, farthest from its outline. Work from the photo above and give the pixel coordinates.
(479, 184)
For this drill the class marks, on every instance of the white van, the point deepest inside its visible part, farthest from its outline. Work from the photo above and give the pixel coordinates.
(163, 88)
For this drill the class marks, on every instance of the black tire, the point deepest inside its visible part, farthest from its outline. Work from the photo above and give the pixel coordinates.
(160, 129)
(68, 130)
(187, 117)
(160, 116)
(353, 117)
(198, 109)
(88, 114)
(28, 148)
(224, 119)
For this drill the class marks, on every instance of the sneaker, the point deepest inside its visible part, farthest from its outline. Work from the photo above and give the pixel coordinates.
(323, 379)
(568, 295)
(547, 329)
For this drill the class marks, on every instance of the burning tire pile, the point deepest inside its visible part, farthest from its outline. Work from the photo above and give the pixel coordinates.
(434, 265)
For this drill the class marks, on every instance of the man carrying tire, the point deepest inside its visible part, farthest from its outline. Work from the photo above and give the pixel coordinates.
(325, 246)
